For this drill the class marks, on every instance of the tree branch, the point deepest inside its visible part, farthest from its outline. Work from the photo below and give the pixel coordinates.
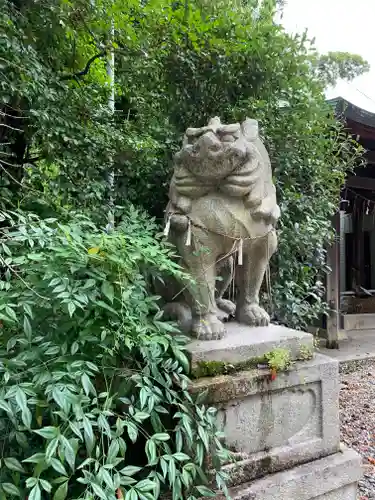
(2, 113)
(84, 72)
(10, 127)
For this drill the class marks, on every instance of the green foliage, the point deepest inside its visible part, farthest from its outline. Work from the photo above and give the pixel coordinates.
(177, 64)
(94, 389)
(279, 359)
(341, 65)
(305, 353)
(94, 396)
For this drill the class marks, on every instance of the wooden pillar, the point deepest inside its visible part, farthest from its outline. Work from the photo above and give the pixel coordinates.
(333, 287)
(358, 242)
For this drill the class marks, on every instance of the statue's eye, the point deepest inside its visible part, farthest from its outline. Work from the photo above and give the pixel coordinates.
(227, 138)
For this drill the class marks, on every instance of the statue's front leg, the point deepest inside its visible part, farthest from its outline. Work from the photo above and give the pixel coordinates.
(201, 265)
(249, 278)
(225, 272)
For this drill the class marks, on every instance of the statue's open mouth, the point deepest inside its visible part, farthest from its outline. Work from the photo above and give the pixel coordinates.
(212, 158)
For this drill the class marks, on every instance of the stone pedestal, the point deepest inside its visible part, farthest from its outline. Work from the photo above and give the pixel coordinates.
(284, 432)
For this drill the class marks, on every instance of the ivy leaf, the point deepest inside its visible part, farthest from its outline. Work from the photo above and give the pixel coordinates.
(62, 491)
(140, 416)
(151, 451)
(21, 399)
(130, 470)
(58, 466)
(89, 434)
(45, 485)
(35, 493)
(181, 456)
(172, 471)
(205, 492)
(131, 495)
(71, 308)
(132, 431)
(60, 399)
(27, 327)
(102, 304)
(108, 291)
(37, 458)
(26, 417)
(70, 454)
(5, 406)
(87, 385)
(182, 359)
(99, 491)
(113, 451)
(161, 436)
(28, 310)
(51, 449)
(106, 478)
(204, 437)
(76, 430)
(74, 348)
(11, 489)
(13, 464)
(145, 485)
(48, 432)
(10, 313)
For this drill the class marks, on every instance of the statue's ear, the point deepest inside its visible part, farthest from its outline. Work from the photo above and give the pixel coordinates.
(214, 123)
(250, 129)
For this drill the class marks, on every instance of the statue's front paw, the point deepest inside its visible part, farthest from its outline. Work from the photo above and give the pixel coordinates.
(226, 306)
(252, 315)
(208, 328)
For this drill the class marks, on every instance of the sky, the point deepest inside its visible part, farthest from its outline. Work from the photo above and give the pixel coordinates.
(340, 25)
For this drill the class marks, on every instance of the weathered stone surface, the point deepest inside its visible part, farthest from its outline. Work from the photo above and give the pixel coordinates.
(277, 425)
(348, 492)
(330, 478)
(221, 215)
(243, 343)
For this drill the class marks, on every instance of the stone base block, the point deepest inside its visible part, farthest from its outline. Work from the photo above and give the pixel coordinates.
(243, 343)
(331, 478)
(276, 425)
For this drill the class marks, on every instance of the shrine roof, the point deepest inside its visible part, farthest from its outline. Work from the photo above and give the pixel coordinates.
(352, 112)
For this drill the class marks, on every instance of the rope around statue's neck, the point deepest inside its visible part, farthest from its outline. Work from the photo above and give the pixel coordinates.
(237, 247)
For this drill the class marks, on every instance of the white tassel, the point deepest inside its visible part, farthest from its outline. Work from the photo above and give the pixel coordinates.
(188, 236)
(240, 252)
(167, 226)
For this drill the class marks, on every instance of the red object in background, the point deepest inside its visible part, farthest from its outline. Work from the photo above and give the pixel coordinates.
(119, 494)
(273, 374)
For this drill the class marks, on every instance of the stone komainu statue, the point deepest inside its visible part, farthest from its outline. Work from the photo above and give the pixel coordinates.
(221, 218)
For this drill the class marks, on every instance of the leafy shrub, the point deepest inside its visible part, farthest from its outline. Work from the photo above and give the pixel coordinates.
(176, 65)
(94, 400)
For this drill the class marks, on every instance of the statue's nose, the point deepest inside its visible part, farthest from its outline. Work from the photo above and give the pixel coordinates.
(215, 146)
(212, 143)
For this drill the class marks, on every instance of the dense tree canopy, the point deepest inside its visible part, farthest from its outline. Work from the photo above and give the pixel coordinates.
(334, 66)
(176, 64)
(94, 399)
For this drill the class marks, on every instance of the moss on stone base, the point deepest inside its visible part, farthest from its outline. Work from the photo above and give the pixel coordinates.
(215, 368)
(278, 359)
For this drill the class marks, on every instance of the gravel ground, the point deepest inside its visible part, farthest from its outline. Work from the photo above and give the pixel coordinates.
(357, 415)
